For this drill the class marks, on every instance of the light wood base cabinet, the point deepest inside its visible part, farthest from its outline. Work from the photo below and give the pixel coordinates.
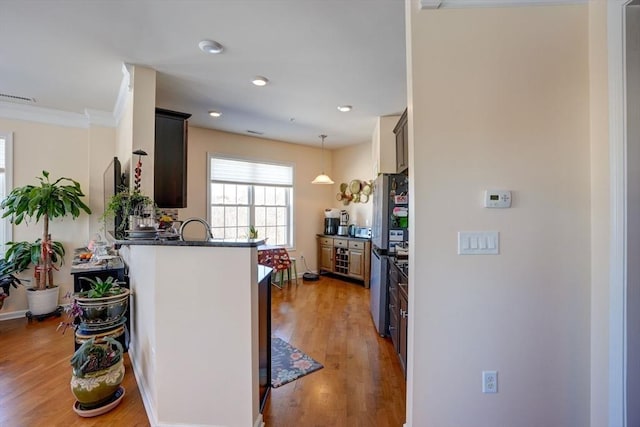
(345, 256)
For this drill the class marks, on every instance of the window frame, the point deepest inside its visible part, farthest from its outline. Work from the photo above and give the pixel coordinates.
(291, 207)
(8, 185)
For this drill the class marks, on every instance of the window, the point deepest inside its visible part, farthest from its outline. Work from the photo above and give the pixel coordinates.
(6, 160)
(244, 193)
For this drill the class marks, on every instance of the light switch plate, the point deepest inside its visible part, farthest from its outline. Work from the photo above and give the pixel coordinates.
(478, 243)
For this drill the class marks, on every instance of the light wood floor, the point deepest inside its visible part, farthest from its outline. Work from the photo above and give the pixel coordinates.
(360, 385)
(35, 376)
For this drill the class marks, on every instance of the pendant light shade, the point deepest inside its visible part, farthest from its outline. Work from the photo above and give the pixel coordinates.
(322, 178)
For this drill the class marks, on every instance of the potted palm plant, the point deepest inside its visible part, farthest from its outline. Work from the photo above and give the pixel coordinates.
(46, 201)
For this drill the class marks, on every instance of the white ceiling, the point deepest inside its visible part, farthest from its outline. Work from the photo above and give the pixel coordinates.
(317, 54)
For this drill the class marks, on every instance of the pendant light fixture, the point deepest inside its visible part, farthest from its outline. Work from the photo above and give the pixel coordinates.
(322, 178)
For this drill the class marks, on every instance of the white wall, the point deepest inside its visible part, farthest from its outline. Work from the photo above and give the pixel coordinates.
(349, 163)
(600, 217)
(196, 357)
(63, 151)
(309, 200)
(499, 98)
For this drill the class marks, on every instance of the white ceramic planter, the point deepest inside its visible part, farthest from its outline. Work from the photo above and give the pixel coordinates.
(42, 301)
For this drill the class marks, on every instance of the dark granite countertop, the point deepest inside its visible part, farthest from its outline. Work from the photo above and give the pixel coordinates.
(337, 236)
(263, 270)
(229, 243)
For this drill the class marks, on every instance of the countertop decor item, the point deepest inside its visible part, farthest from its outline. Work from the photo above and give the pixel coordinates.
(127, 203)
(138, 170)
(322, 178)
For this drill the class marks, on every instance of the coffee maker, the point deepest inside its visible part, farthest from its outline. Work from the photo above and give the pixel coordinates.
(343, 228)
(331, 226)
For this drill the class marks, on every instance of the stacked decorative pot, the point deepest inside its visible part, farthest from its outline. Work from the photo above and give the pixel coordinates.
(101, 325)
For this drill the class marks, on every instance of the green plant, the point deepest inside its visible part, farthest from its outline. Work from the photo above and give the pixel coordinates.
(123, 204)
(7, 279)
(253, 232)
(24, 254)
(102, 288)
(45, 201)
(91, 357)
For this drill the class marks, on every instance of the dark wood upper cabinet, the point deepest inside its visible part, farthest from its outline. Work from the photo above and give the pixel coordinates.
(402, 143)
(170, 160)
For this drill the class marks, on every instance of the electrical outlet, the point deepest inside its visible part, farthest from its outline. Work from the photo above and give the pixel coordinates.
(489, 381)
(301, 255)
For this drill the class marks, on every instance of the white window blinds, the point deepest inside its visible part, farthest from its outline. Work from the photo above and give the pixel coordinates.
(248, 172)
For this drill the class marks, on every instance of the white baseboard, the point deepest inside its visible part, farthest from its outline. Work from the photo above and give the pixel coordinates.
(146, 401)
(13, 315)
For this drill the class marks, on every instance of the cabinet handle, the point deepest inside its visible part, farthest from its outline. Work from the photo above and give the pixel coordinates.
(404, 314)
(392, 288)
(392, 328)
(391, 306)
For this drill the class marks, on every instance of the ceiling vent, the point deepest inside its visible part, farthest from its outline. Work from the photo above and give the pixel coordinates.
(15, 98)
(255, 132)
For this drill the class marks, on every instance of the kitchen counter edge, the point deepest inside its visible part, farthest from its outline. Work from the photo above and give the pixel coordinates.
(240, 243)
(337, 236)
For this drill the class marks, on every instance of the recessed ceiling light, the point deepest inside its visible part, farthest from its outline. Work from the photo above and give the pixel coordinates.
(210, 46)
(214, 113)
(260, 81)
(345, 108)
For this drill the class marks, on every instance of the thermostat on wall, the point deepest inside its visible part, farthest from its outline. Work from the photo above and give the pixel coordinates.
(497, 199)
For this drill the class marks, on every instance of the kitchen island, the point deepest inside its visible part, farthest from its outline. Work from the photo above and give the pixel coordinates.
(194, 330)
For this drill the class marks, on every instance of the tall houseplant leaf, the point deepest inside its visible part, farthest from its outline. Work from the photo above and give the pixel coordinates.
(48, 200)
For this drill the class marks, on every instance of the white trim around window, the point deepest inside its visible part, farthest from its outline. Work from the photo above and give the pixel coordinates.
(7, 169)
(278, 174)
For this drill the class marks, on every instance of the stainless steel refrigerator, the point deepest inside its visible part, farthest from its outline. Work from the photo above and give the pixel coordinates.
(388, 229)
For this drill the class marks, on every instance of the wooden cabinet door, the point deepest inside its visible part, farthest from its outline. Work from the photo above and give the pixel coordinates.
(403, 327)
(394, 321)
(170, 159)
(402, 143)
(394, 308)
(326, 258)
(356, 263)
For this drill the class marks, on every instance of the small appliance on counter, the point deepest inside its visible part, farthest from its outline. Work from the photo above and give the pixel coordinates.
(343, 228)
(362, 232)
(331, 221)
(331, 226)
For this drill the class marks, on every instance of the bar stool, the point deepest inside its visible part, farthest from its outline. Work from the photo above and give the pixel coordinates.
(281, 262)
(292, 266)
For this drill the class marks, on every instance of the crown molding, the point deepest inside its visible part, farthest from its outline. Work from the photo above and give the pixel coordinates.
(30, 113)
(100, 118)
(453, 4)
(49, 116)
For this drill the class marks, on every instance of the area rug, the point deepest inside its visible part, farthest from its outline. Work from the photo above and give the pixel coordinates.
(289, 363)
